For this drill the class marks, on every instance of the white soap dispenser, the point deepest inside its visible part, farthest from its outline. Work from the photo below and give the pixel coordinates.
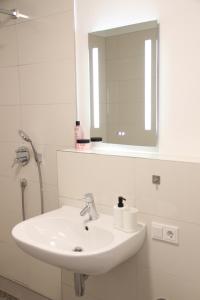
(118, 213)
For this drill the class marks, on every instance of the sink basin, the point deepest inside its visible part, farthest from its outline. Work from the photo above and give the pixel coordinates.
(61, 239)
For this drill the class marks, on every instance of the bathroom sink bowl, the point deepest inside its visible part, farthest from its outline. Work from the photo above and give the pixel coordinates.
(61, 239)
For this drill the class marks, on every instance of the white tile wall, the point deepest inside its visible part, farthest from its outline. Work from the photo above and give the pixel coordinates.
(14, 257)
(58, 86)
(21, 292)
(49, 124)
(40, 9)
(6, 152)
(179, 261)
(8, 43)
(177, 197)
(37, 83)
(9, 86)
(92, 175)
(44, 39)
(10, 120)
(159, 270)
(108, 286)
(68, 293)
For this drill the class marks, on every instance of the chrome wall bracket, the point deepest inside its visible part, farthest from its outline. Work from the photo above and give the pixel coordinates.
(23, 185)
(22, 156)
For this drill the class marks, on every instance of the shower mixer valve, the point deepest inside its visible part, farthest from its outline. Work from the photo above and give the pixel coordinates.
(22, 156)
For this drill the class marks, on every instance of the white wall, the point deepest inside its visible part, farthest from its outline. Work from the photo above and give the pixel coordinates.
(179, 62)
(37, 94)
(159, 270)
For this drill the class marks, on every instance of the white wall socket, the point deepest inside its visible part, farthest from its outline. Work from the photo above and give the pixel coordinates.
(170, 234)
(165, 233)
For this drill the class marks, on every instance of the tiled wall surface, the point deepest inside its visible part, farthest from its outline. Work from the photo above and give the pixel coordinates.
(159, 270)
(20, 292)
(37, 84)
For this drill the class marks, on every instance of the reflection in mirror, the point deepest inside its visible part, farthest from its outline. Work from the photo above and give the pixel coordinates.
(123, 83)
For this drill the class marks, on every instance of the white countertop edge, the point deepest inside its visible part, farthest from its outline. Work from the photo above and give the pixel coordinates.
(134, 154)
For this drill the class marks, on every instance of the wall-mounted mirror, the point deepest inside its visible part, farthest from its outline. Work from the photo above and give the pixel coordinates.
(123, 83)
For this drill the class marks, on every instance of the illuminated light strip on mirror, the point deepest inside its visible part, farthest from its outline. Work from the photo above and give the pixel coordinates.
(156, 86)
(95, 81)
(148, 66)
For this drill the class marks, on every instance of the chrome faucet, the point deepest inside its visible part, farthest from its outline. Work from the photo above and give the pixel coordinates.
(89, 208)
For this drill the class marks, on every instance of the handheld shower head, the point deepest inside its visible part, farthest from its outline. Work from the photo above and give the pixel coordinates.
(38, 161)
(24, 136)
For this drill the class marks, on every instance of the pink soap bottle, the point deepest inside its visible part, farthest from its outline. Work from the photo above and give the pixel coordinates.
(78, 132)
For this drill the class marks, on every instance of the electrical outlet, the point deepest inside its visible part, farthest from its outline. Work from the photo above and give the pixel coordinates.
(170, 234)
(157, 231)
(163, 232)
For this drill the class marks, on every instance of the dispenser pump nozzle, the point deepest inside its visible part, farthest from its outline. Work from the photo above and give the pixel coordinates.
(120, 201)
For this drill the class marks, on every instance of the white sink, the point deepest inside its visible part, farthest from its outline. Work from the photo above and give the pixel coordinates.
(54, 236)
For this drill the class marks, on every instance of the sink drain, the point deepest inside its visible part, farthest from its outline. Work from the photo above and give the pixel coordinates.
(78, 249)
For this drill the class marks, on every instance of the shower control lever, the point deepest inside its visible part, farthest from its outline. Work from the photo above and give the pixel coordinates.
(22, 156)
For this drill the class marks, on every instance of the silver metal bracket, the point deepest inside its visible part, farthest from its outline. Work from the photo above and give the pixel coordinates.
(23, 185)
(22, 156)
(156, 179)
